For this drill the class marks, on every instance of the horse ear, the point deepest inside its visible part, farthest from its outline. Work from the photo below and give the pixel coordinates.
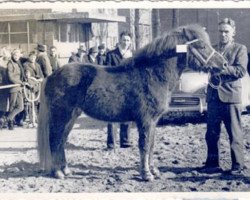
(187, 34)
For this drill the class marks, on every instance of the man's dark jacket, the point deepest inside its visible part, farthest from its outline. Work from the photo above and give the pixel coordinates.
(75, 58)
(114, 57)
(101, 59)
(88, 59)
(15, 74)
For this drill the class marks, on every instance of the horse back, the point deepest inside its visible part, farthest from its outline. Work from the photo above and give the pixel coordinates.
(66, 84)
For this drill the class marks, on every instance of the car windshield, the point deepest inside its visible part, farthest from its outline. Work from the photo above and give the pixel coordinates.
(191, 81)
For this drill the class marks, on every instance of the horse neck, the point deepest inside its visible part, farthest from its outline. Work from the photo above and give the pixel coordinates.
(166, 67)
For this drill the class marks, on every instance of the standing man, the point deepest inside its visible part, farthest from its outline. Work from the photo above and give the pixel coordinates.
(114, 58)
(54, 60)
(91, 56)
(78, 56)
(101, 57)
(224, 101)
(16, 75)
(43, 60)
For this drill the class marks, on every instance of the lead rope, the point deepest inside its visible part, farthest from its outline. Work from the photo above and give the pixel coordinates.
(213, 85)
(32, 100)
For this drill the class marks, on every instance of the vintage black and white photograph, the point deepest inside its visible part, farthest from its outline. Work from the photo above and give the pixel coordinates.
(124, 100)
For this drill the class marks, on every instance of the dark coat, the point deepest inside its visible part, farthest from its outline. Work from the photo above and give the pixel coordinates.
(43, 60)
(4, 93)
(55, 63)
(114, 57)
(75, 58)
(15, 74)
(101, 59)
(230, 90)
(88, 59)
(35, 72)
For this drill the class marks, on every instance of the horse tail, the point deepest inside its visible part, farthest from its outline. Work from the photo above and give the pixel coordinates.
(44, 151)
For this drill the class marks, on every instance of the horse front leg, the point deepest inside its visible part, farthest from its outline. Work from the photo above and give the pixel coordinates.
(154, 170)
(146, 133)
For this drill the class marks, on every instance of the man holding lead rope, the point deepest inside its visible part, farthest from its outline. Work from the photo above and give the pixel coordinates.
(224, 101)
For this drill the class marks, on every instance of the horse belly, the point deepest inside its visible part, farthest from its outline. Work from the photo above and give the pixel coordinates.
(106, 104)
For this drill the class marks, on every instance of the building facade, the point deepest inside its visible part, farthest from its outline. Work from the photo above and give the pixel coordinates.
(24, 29)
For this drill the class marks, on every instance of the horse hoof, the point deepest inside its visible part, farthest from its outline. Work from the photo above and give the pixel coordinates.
(66, 171)
(156, 172)
(59, 174)
(147, 176)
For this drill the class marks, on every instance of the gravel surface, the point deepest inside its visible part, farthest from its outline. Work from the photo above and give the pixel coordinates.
(179, 150)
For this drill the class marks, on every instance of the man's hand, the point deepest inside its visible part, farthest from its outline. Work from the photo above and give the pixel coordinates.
(27, 85)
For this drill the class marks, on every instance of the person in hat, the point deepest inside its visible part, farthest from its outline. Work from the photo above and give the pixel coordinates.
(91, 56)
(114, 58)
(16, 75)
(78, 57)
(224, 102)
(54, 60)
(43, 60)
(101, 57)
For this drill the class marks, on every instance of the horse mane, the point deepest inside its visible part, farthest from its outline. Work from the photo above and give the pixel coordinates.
(163, 46)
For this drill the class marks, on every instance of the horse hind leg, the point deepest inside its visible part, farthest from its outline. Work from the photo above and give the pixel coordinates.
(61, 124)
(75, 114)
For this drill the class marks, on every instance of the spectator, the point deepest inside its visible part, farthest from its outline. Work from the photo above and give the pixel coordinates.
(4, 93)
(114, 58)
(16, 75)
(54, 60)
(78, 56)
(34, 75)
(91, 56)
(32, 68)
(224, 102)
(101, 57)
(43, 60)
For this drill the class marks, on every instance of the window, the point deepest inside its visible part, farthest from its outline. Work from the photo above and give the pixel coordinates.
(14, 32)
(68, 32)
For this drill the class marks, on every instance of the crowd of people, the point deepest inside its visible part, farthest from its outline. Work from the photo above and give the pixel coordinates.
(21, 73)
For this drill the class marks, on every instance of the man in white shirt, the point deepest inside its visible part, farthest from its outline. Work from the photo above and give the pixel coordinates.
(114, 58)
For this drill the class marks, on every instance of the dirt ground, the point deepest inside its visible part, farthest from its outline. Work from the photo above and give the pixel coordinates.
(179, 150)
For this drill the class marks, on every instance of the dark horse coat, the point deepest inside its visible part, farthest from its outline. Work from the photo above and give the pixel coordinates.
(137, 90)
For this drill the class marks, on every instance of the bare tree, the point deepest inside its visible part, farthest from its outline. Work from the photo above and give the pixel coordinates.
(176, 18)
(137, 29)
(156, 23)
(142, 24)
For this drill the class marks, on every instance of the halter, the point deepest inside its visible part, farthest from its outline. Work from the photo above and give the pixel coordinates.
(203, 60)
(197, 54)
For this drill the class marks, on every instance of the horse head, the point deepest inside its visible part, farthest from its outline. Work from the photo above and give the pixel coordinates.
(200, 53)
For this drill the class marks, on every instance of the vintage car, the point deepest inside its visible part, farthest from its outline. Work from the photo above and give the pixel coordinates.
(188, 101)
